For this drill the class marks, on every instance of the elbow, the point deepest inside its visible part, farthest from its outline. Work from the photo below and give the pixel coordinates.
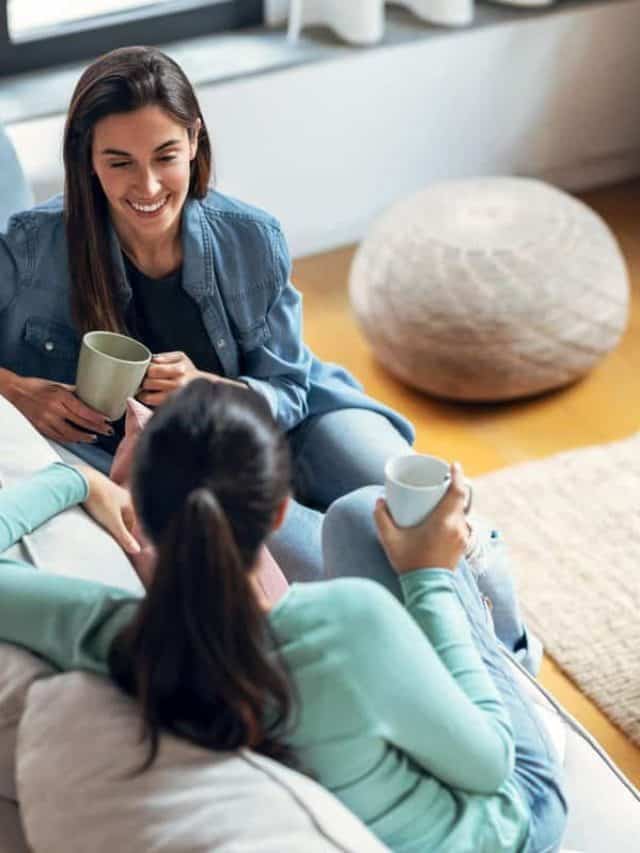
(497, 771)
(294, 408)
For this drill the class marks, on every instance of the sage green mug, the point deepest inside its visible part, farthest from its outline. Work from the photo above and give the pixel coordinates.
(111, 368)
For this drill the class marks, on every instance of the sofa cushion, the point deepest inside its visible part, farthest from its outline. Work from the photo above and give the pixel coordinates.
(18, 671)
(79, 742)
(12, 839)
(604, 808)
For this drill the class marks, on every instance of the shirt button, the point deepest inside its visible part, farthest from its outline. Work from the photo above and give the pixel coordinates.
(222, 343)
(49, 346)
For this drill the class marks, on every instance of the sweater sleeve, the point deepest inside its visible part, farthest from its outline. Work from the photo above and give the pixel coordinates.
(426, 685)
(34, 500)
(69, 622)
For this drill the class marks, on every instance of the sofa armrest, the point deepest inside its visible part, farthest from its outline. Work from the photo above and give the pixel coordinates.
(604, 806)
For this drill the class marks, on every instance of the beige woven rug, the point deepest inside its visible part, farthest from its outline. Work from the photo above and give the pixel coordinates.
(572, 522)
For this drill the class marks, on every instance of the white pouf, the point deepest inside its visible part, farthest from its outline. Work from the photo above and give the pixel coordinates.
(490, 289)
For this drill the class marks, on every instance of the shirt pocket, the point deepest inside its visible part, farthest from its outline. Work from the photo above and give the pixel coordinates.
(247, 310)
(54, 342)
(253, 337)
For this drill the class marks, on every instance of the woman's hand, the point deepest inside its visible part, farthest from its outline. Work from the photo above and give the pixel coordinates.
(111, 507)
(55, 411)
(438, 542)
(169, 371)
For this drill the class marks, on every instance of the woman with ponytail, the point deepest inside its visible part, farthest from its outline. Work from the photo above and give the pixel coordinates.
(407, 710)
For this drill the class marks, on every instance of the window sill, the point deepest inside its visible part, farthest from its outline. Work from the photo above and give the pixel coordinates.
(247, 53)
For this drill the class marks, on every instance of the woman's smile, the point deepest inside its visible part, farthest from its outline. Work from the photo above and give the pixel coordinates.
(149, 209)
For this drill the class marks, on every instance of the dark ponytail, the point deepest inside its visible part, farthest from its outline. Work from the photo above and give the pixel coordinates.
(211, 470)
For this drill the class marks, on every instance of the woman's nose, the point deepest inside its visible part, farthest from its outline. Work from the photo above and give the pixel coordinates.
(148, 183)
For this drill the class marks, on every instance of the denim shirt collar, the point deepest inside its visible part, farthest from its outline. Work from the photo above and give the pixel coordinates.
(198, 273)
(198, 280)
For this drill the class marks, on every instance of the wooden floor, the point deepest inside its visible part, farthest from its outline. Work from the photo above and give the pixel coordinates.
(603, 407)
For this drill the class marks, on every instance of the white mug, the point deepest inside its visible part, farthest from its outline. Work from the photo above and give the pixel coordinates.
(414, 485)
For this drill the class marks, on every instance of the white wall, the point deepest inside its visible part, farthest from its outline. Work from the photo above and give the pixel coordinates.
(326, 146)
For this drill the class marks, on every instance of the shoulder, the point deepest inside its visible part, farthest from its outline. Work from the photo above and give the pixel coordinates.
(221, 207)
(354, 606)
(248, 241)
(35, 237)
(46, 218)
(242, 222)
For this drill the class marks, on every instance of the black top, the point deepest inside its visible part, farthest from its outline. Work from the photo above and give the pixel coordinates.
(166, 319)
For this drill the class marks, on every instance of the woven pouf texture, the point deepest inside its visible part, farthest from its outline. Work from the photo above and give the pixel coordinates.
(490, 289)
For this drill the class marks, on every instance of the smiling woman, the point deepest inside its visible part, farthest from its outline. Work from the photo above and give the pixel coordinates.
(141, 244)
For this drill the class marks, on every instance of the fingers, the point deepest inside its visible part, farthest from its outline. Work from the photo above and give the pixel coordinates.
(456, 496)
(74, 409)
(384, 522)
(62, 430)
(174, 370)
(151, 384)
(167, 357)
(127, 541)
(153, 398)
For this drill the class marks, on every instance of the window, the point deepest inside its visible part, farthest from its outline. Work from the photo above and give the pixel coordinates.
(39, 33)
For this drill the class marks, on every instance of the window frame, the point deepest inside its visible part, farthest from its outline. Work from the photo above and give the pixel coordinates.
(90, 37)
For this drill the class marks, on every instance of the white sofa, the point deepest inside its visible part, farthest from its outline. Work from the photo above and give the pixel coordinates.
(69, 743)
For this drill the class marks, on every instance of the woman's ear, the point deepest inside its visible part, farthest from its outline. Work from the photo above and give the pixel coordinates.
(280, 514)
(194, 135)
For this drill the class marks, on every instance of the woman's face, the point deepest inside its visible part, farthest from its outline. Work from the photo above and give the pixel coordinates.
(142, 160)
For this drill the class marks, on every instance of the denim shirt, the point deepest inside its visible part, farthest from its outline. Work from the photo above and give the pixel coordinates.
(235, 266)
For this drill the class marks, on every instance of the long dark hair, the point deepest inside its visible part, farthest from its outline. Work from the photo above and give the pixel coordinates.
(120, 81)
(211, 470)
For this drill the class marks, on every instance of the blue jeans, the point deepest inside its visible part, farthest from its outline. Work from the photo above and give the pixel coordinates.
(351, 547)
(333, 454)
(355, 512)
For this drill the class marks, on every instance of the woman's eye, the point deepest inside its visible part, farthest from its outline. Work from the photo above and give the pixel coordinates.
(168, 158)
(119, 165)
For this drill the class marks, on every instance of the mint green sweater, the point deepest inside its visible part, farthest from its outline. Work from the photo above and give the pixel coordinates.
(399, 717)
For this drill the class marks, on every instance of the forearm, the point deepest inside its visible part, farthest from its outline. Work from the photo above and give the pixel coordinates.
(287, 401)
(463, 740)
(69, 622)
(431, 599)
(27, 504)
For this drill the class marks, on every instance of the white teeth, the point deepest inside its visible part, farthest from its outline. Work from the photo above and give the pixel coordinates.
(148, 208)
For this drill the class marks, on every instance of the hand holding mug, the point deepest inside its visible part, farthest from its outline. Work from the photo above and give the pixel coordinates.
(439, 541)
(56, 412)
(169, 371)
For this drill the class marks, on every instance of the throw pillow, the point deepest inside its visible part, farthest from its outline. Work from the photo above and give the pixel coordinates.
(78, 751)
(18, 671)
